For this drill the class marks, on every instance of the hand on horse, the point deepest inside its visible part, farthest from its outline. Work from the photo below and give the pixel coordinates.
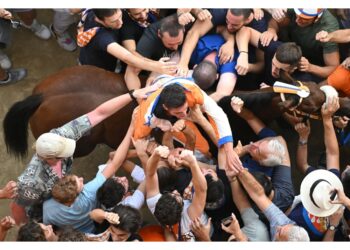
(167, 67)
(329, 108)
(237, 104)
(303, 130)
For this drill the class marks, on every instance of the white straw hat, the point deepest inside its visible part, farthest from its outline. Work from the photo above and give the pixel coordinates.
(316, 190)
(50, 145)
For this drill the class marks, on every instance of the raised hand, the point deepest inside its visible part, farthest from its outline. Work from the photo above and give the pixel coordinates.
(162, 151)
(237, 104)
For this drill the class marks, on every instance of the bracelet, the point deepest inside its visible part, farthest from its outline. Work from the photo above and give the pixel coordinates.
(243, 52)
(131, 93)
(302, 143)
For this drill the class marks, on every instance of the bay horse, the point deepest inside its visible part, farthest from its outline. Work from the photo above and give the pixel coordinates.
(75, 91)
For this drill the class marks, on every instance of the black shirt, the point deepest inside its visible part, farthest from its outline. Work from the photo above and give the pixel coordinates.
(95, 52)
(219, 18)
(131, 30)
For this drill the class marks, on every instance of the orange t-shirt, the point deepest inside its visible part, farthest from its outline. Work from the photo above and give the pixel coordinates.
(340, 80)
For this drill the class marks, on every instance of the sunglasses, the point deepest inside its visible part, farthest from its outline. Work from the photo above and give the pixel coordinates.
(15, 24)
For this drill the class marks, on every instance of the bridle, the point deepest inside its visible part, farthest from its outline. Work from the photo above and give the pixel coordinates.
(294, 110)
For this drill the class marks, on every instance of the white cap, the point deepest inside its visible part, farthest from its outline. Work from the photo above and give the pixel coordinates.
(308, 13)
(50, 145)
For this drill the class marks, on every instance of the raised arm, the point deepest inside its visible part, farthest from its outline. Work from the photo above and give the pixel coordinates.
(199, 184)
(254, 189)
(137, 61)
(152, 186)
(115, 104)
(338, 36)
(330, 139)
(120, 154)
(302, 150)
(199, 29)
(253, 121)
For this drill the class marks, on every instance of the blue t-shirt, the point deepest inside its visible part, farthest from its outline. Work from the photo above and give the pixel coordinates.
(254, 166)
(77, 215)
(208, 44)
(95, 52)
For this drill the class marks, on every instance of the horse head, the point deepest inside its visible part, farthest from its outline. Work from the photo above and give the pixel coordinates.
(309, 105)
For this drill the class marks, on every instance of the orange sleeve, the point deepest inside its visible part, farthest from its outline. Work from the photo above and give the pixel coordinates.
(340, 80)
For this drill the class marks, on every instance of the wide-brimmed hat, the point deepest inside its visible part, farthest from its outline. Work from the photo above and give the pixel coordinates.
(50, 145)
(308, 13)
(316, 190)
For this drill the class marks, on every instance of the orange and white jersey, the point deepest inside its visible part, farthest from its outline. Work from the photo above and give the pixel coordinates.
(194, 95)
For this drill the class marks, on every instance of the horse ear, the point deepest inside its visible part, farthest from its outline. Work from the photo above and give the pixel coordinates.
(287, 104)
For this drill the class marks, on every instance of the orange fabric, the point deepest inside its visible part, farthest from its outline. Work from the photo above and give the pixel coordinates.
(155, 233)
(340, 80)
(84, 37)
(193, 96)
(201, 143)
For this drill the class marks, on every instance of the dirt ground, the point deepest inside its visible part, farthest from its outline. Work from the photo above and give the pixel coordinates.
(42, 58)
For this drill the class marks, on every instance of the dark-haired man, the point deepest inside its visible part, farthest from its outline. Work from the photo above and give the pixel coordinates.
(279, 57)
(161, 39)
(224, 21)
(98, 38)
(173, 102)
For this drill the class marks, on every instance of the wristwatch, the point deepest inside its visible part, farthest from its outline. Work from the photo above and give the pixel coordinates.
(332, 228)
(302, 142)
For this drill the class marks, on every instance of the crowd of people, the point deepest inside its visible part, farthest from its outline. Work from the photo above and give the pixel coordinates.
(192, 58)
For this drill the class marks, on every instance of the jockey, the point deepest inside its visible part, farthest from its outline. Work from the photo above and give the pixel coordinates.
(173, 101)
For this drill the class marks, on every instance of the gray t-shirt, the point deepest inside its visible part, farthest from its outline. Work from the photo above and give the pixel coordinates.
(276, 218)
(254, 228)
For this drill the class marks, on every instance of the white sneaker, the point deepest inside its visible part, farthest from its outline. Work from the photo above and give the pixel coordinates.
(40, 30)
(65, 41)
(5, 62)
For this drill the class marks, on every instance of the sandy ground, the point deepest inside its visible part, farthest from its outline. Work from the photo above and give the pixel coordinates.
(42, 58)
